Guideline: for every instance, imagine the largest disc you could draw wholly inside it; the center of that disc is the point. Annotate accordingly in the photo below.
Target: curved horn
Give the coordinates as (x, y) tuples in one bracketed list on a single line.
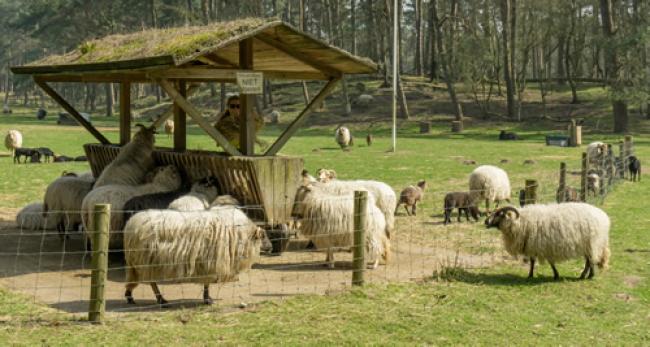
[(509, 208)]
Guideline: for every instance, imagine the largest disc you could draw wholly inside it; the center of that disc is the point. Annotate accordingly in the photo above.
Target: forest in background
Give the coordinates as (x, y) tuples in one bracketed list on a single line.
[(484, 48)]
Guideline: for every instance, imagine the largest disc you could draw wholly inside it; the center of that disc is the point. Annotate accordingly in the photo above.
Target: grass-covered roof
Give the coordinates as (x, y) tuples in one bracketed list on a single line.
[(277, 47)]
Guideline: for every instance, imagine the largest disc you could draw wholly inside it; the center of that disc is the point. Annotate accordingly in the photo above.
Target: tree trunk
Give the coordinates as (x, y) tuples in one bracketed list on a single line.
[(109, 99), (154, 16), (612, 66), (403, 106), (567, 53), (205, 11), (418, 38), (508, 76), (400, 53), (346, 97), (445, 62), (353, 19), (561, 55), (385, 50)]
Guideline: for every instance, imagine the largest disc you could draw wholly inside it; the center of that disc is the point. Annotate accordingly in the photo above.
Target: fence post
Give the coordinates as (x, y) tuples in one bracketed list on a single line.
[(560, 197), (628, 153), (101, 215), (610, 166), (531, 192), (621, 161), (358, 261), (583, 178)]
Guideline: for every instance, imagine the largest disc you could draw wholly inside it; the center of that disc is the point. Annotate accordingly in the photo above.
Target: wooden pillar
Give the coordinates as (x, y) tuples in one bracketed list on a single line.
[(561, 195), (530, 192), (97, 304), (610, 166), (247, 103), (359, 248), (125, 113), (180, 142), (583, 178)]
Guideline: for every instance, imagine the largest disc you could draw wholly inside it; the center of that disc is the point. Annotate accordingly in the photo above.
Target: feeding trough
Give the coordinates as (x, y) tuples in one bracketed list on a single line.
[(244, 52)]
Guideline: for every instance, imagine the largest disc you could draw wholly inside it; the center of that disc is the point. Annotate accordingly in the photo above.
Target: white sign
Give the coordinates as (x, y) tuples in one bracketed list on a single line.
[(250, 82)]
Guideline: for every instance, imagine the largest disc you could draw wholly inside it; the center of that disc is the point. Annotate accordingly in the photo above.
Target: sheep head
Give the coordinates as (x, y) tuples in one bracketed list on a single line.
[(325, 175), (422, 184), (503, 214), (301, 193), (145, 135), (307, 178), (168, 177), (207, 186), (260, 236)]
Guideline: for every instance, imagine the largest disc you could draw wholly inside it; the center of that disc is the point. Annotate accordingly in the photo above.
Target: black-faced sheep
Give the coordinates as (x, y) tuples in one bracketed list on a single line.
[(133, 162), (489, 183), (634, 167), (555, 233), (463, 202), (410, 196)]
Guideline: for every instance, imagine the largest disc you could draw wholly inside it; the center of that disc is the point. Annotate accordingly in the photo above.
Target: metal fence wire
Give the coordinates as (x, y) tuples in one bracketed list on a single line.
[(222, 257)]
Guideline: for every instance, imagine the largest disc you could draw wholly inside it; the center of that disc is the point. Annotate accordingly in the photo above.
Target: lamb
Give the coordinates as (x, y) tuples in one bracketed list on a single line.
[(63, 198), (596, 152), (169, 128), (325, 175), (489, 183), (13, 140), (555, 233), (504, 136), (343, 137), (410, 196), (62, 158), (634, 167), (328, 221), (28, 153), (45, 152), (463, 202), (31, 217), (199, 198), (167, 178), (133, 161), (210, 246), (593, 183)]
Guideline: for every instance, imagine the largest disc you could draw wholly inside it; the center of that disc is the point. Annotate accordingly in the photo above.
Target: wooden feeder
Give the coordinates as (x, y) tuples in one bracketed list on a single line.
[(219, 52)]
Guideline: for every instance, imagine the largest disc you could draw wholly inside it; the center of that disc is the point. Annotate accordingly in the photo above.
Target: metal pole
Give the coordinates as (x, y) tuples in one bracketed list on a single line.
[(360, 210), (395, 64)]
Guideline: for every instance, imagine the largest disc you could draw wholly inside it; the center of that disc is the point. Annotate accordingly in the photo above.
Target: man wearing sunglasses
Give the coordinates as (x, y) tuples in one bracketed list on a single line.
[(228, 121)]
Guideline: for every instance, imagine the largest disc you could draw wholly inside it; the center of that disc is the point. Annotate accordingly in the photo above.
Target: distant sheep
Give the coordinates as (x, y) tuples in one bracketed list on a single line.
[(555, 233), (275, 117), (81, 158), (31, 217), (568, 194), (133, 162), (489, 183), (28, 153), (596, 152), (325, 175), (13, 140), (210, 246), (593, 183), (343, 137), (199, 198), (167, 178), (62, 158), (369, 139), (364, 100), (410, 196), (63, 199), (169, 128), (634, 167), (328, 221), (463, 202), (505, 136), (45, 152)]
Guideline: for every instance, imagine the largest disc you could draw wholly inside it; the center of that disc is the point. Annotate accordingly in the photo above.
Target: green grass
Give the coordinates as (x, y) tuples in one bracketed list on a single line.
[(493, 306)]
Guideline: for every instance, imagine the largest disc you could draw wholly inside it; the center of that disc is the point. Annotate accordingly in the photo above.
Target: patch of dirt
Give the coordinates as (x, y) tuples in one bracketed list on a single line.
[(632, 281)]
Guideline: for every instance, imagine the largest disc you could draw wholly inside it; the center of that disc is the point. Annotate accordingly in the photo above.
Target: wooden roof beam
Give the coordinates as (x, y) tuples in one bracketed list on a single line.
[(292, 52)]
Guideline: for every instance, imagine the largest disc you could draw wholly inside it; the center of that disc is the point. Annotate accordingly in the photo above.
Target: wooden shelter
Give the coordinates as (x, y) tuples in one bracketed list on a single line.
[(218, 52)]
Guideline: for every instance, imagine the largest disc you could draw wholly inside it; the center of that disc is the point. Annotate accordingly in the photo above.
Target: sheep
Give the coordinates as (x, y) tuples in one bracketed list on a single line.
[(62, 158), (384, 196), (555, 233), (199, 198), (31, 217), (410, 196), (327, 220), (169, 128), (504, 136), (210, 246), (41, 114), (28, 153), (364, 100), (81, 158), (596, 152), (463, 202), (593, 183), (343, 137), (307, 178), (325, 175), (489, 183), (63, 198), (167, 178), (13, 140), (568, 194), (369, 139), (45, 152), (275, 117), (155, 201), (634, 167), (133, 161), (6, 109)]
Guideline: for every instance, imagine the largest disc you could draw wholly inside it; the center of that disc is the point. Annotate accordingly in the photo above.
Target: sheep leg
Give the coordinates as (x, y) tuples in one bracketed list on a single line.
[(556, 275), (330, 257), (531, 272), (408, 213), (413, 209), (374, 265), (159, 298), (447, 216), (487, 205), (460, 212), (128, 294), (592, 270), (206, 295), (586, 270), (61, 229)]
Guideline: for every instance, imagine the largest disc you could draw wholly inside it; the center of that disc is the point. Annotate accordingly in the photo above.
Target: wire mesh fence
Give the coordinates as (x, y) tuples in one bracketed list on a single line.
[(183, 251)]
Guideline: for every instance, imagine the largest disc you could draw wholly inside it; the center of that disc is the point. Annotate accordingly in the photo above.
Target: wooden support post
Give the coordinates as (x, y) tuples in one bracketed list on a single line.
[(222, 96), (247, 102), (610, 166), (180, 121), (629, 150), (293, 127), (583, 178), (622, 161), (66, 106), (531, 192), (99, 271), (359, 248), (125, 113), (561, 195)]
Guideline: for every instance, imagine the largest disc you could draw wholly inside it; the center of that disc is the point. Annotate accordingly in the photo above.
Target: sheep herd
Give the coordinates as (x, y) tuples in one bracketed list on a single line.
[(14, 143)]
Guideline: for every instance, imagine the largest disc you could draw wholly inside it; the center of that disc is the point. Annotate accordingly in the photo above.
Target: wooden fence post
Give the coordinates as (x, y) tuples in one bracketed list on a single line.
[(628, 152), (583, 178), (99, 272), (610, 166), (560, 197), (531, 192), (621, 160), (358, 261)]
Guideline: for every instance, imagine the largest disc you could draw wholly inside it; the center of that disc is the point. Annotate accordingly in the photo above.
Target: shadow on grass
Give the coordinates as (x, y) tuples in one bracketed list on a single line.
[(462, 275)]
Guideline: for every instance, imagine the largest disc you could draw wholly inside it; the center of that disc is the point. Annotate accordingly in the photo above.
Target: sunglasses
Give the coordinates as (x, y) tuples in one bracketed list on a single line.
[(233, 105)]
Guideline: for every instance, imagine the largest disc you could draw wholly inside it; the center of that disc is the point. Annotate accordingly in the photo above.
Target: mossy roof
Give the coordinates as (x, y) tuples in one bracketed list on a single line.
[(277, 46)]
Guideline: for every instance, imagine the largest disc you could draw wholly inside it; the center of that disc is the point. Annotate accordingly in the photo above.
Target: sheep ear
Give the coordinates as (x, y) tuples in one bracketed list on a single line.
[(332, 174)]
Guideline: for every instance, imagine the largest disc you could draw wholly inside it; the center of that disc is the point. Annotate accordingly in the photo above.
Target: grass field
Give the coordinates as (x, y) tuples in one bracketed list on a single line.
[(496, 305)]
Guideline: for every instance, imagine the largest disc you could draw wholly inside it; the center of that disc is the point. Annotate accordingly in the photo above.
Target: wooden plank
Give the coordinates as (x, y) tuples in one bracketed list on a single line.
[(125, 113), (247, 102), (291, 51), (293, 127), (165, 60), (221, 60), (66, 106), (180, 119), (196, 116), (114, 77)]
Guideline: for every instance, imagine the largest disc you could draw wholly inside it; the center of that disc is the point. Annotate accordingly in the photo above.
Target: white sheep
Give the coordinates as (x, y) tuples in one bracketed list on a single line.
[(169, 128), (31, 217), (593, 183), (210, 246), (364, 100), (199, 198), (489, 183), (325, 175), (555, 233), (133, 162), (166, 179), (13, 140), (343, 137), (328, 221), (596, 152), (63, 199), (275, 117)]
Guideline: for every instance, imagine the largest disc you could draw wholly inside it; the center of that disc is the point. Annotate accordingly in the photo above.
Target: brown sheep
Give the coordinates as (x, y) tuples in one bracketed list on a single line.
[(410, 196), (463, 202)]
